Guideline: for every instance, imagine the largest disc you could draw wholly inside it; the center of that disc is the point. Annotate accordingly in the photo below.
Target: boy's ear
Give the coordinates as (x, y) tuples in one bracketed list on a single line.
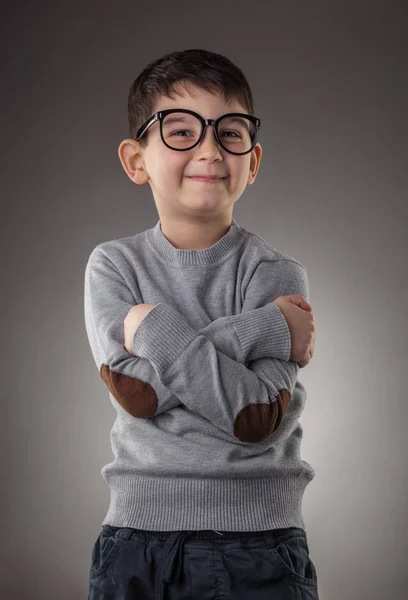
[(256, 156), (131, 156)]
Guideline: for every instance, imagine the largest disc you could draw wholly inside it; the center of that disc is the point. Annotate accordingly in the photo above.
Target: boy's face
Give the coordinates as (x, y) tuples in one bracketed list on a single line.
[(168, 171)]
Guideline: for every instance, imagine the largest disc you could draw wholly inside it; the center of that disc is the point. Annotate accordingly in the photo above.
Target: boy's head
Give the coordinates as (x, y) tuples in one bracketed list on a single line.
[(208, 84)]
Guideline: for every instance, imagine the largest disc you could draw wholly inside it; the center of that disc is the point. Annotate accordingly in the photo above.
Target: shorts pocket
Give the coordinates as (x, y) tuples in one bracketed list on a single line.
[(105, 549), (292, 554)]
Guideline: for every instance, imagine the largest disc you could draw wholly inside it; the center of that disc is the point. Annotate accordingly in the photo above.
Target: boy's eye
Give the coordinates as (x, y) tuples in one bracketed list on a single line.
[(181, 131), (233, 132)]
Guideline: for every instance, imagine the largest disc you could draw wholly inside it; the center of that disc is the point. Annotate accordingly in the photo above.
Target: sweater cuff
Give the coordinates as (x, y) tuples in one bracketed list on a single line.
[(265, 330), (161, 337)]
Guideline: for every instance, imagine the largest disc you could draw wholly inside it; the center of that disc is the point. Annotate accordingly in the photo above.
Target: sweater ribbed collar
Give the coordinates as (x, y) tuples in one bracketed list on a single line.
[(207, 256)]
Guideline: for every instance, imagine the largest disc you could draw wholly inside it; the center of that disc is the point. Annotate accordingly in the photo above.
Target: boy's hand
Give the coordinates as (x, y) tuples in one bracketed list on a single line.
[(301, 322), (132, 321)]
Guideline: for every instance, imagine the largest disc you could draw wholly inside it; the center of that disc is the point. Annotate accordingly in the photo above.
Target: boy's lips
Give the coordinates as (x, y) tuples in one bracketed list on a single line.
[(205, 178)]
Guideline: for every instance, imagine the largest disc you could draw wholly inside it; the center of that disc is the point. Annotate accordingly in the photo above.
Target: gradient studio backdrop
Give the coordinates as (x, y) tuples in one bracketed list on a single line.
[(330, 86)]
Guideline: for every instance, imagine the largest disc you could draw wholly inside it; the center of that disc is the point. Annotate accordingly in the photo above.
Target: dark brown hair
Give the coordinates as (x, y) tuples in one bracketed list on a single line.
[(203, 68)]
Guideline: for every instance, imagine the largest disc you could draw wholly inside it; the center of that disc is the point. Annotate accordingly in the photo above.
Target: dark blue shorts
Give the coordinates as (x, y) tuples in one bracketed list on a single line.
[(134, 564)]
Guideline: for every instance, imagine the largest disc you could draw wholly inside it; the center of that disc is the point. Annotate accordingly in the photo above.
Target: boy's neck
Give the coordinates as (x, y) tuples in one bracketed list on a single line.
[(187, 235)]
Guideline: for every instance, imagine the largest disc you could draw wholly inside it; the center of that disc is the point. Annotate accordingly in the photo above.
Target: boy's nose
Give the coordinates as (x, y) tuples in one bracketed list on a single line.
[(209, 141)]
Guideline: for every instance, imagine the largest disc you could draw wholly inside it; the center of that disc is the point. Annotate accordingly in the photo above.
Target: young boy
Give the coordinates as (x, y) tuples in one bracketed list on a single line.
[(198, 328)]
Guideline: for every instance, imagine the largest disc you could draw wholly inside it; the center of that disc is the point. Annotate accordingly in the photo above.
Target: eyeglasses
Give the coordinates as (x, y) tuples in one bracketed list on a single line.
[(236, 133)]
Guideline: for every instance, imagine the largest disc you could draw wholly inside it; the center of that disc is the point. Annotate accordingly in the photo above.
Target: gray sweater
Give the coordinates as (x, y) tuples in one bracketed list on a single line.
[(207, 432)]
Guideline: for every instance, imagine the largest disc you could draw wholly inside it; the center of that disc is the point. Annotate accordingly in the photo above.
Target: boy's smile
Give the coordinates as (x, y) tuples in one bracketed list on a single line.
[(207, 179)]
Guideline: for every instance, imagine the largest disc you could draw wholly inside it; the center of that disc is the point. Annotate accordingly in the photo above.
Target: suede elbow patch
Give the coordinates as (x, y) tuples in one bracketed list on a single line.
[(135, 396), (258, 421)]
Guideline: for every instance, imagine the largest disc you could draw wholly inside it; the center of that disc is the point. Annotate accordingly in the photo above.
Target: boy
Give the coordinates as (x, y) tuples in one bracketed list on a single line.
[(198, 328)]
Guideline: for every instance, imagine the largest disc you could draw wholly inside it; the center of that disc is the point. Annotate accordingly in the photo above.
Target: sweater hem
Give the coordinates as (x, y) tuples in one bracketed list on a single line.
[(158, 504)]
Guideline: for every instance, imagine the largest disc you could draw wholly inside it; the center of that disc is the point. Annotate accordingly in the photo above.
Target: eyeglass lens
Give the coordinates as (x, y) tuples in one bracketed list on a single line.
[(181, 131)]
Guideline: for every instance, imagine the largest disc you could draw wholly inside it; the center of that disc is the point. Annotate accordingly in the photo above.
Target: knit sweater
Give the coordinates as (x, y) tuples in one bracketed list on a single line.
[(207, 432)]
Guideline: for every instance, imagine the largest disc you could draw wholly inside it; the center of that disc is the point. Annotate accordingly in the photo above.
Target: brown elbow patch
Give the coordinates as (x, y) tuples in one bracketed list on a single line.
[(257, 422), (135, 396)]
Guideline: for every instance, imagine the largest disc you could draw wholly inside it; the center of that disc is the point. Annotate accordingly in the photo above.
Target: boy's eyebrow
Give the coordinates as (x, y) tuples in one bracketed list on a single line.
[(180, 117), (173, 119), (235, 119)]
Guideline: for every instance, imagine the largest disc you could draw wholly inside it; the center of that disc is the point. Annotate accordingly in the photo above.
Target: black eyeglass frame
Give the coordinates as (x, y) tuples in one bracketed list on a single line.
[(159, 116)]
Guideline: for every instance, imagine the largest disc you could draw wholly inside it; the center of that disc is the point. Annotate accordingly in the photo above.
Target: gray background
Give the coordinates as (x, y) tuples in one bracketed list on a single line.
[(330, 87)]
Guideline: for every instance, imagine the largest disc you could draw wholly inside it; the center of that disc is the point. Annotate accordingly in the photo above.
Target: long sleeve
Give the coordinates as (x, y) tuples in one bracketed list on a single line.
[(134, 383), (248, 403)]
